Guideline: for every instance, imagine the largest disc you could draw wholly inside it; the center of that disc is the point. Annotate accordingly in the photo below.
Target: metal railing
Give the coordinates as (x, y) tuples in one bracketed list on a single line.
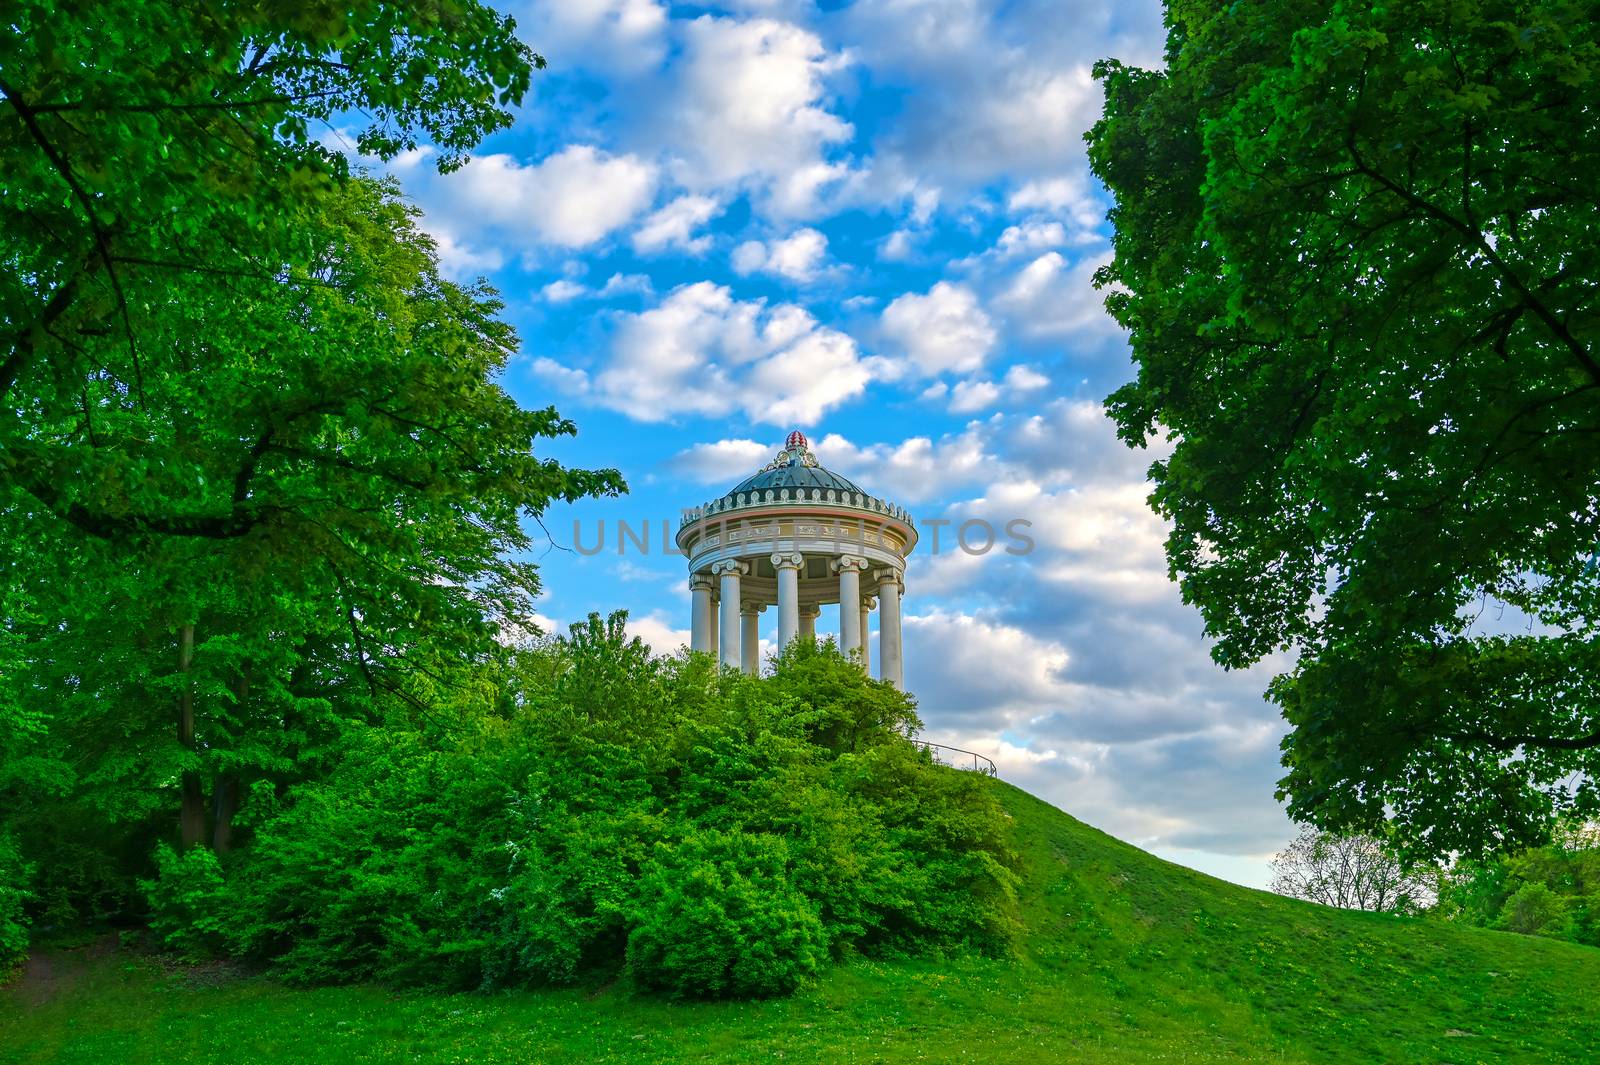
[(957, 758)]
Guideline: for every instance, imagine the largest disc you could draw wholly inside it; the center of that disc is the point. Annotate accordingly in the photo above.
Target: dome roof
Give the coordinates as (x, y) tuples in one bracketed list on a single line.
[(795, 467), (795, 476), (796, 479)]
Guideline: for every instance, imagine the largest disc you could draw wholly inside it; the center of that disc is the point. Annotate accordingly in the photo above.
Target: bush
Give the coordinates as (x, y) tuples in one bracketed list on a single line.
[(720, 835), (14, 876), (720, 917), (1535, 910), (187, 901), (1551, 891), (382, 871)]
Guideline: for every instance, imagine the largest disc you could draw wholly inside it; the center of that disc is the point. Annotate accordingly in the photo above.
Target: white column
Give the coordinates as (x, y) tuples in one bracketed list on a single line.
[(711, 643), (867, 603), (788, 567), (750, 638), (891, 664), (728, 624), (700, 614), (808, 621), (849, 569)]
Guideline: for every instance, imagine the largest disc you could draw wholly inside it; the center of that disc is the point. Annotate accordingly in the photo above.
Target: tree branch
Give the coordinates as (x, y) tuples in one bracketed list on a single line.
[(1475, 239)]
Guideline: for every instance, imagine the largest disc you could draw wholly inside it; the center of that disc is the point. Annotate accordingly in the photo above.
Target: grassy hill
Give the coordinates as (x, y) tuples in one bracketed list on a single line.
[(1127, 959)]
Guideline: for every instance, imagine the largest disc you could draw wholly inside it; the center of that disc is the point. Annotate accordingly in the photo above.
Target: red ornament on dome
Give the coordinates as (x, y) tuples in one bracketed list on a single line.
[(797, 439)]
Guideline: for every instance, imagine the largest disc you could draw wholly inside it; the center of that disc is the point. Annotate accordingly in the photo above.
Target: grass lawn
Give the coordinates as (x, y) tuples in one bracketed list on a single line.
[(1126, 959)]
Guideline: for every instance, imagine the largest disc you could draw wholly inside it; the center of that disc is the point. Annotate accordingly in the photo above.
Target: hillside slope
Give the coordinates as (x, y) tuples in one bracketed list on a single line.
[(1127, 959)]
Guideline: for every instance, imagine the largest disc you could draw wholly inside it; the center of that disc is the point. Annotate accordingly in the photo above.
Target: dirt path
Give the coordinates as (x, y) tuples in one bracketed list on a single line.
[(49, 972)]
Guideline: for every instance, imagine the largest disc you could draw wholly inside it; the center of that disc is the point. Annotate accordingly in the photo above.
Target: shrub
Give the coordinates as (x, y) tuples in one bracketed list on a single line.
[(14, 876), (378, 872), (1535, 910), (187, 901), (719, 917), (720, 835), (1552, 891)]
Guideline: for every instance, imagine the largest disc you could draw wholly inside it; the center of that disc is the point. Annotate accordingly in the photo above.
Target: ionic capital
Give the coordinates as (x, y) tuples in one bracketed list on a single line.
[(787, 560), (701, 582), (868, 603), (729, 565), (844, 562), (812, 611), (750, 606)]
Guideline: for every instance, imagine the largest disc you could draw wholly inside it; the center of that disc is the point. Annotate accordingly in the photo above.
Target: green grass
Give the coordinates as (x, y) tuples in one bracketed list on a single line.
[(1126, 959)]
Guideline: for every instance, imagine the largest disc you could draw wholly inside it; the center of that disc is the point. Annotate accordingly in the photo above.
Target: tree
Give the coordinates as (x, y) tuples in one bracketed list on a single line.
[(1353, 872), (242, 406), (1357, 257), (149, 146), (384, 474), (1553, 890)]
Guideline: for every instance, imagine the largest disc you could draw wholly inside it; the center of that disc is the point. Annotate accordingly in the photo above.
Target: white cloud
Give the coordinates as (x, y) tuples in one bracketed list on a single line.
[(1100, 540), (702, 352), (1022, 378), (658, 632), (975, 394), (632, 572), (567, 379), (913, 470), (722, 461), (969, 396), (460, 261), (619, 284), (673, 226), (798, 257), (748, 106), (898, 246), (944, 330), (1163, 749), (1073, 441), (1053, 298), (565, 290), (570, 199), (1066, 195), (1001, 671), (562, 291), (610, 35), (1031, 237), (749, 257), (1035, 119), (996, 98)]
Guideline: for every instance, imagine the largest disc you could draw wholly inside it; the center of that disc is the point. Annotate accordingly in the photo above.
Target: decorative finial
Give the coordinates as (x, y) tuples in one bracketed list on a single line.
[(796, 452)]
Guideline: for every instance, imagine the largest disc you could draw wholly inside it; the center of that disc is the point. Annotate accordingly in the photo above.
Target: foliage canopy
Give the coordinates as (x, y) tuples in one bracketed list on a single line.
[(258, 479), (710, 830), (1553, 890), (1357, 254)]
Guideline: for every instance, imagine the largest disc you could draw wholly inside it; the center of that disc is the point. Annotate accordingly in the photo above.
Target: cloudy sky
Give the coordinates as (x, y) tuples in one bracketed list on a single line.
[(873, 222)]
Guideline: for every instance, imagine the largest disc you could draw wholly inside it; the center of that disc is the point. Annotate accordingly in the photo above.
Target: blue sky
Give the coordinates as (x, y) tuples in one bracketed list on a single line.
[(872, 221)]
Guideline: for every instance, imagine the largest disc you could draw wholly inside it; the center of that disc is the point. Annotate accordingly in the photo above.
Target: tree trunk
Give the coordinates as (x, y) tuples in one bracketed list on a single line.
[(224, 804), (225, 793), (192, 811)]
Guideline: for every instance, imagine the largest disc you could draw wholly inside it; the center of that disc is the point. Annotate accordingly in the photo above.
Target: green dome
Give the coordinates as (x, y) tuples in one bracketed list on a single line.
[(795, 467), (795, 478), (795, 475)]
